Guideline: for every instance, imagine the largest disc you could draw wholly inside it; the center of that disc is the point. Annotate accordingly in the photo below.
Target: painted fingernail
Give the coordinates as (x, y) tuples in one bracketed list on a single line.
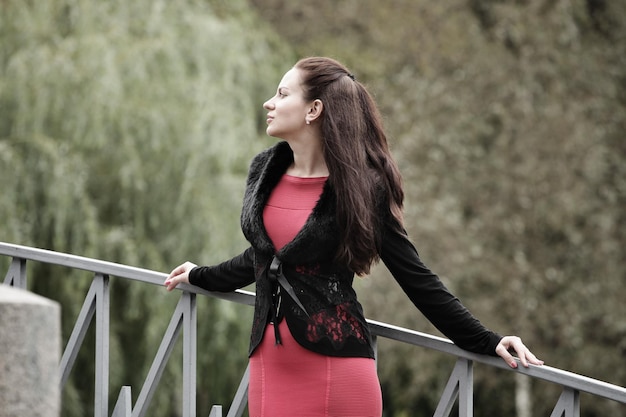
[(513, 364)]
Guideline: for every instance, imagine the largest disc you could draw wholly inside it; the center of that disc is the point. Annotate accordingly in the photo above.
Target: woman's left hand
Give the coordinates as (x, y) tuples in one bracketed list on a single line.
[(514, 344)]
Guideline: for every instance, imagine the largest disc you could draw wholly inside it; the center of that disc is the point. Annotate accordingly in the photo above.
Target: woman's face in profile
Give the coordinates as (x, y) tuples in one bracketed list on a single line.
[(287, 109)]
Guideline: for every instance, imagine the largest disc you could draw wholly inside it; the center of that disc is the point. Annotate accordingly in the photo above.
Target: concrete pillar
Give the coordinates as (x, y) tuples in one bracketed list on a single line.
[(30, 346)]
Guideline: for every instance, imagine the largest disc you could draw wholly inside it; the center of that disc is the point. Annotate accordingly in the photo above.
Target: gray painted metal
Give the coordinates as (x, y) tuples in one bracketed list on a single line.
[(96, 304), (16, 275), (123, 406), (460, 385), (568, 404), (189, 353), (185, 304), (78, 334), (238, 406), (102, 346), (545, 372)]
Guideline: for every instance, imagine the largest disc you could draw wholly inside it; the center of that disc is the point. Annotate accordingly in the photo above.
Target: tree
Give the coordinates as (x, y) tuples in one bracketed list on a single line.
[(125, 133), (507, 120)]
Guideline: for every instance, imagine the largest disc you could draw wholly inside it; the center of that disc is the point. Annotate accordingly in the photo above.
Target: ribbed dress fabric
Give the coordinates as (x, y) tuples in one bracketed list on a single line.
[(287, 380)]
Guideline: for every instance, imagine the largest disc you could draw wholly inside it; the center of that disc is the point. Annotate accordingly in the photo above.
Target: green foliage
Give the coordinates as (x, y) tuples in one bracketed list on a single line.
[(125, 133), (507, 119), (126, 129)]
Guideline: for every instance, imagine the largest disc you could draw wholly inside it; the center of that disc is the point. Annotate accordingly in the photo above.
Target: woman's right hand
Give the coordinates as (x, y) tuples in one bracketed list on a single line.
[(178, 275)]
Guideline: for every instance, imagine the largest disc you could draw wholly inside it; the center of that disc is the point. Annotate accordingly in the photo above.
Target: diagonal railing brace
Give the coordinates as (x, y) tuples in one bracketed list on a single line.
[(184, 315), (460, 385), (96, 303), (16, 275), (568, 404)]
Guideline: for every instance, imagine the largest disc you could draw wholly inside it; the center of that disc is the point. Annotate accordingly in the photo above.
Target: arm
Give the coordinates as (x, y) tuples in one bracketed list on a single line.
[(442, 308), (224, 277), (432, 298)]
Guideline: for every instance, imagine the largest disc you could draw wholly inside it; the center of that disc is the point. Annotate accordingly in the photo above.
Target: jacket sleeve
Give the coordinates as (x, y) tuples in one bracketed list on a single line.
[(227, 276), (431, 297)]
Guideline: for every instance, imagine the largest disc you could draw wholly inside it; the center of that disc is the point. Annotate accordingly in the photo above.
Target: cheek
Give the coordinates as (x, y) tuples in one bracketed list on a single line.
[(287, 114)]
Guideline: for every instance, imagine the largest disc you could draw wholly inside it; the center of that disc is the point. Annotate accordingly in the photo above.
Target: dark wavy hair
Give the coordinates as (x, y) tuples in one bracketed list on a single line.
[(358, 159)]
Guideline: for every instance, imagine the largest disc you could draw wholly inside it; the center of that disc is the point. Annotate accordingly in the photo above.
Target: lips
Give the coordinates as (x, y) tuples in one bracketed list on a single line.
[(269, 119)]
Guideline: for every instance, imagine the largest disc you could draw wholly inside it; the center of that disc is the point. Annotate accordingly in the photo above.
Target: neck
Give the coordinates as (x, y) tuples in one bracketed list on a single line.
[(308, 160)]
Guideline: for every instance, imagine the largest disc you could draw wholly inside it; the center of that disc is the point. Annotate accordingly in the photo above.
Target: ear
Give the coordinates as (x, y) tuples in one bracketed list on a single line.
[(315, 110)]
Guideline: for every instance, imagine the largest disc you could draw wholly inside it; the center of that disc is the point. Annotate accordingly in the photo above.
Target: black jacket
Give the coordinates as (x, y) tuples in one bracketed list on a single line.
[(333, 323)]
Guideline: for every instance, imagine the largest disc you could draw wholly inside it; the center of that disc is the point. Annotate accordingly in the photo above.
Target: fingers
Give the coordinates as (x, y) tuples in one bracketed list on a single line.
[(178, 275), (178, 270), (171, 283), (514, 343), (503, 352), (532, 359)]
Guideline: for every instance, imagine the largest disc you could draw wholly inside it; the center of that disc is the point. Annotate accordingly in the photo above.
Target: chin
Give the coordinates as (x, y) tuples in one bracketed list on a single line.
[(272, 133)]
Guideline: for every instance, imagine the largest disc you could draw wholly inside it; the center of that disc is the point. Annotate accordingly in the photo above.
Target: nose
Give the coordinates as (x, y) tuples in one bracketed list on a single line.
[(268, 105)]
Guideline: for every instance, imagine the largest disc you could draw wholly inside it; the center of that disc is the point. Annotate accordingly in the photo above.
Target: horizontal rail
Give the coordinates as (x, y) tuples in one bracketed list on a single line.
[(113, 269), (545, 372)]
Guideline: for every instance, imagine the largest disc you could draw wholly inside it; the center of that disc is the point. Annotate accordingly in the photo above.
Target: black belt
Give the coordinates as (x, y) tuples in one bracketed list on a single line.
[(275, 274)]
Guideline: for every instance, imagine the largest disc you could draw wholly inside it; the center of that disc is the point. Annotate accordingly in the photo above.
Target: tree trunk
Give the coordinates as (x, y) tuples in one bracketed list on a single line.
[(523, 402)]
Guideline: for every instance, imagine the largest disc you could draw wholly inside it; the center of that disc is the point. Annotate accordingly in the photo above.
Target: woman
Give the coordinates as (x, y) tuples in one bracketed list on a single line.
[(320, 206)]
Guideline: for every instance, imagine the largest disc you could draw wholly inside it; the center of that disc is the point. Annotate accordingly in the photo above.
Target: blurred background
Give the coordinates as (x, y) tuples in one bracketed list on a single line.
[(126, 129)]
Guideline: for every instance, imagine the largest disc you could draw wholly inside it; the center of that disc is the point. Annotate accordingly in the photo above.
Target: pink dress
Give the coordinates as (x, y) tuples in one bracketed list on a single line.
[(288, 380)]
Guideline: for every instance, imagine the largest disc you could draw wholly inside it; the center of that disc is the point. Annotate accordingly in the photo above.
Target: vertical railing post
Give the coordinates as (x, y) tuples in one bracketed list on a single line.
[(189, 354), (101, 399), (466, 388)]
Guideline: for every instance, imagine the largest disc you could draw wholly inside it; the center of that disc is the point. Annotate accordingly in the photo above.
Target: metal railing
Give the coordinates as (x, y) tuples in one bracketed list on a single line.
[(459, 388)]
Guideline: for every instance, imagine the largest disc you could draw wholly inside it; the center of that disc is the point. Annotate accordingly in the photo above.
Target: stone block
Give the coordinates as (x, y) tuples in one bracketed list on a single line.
[(30, 346)]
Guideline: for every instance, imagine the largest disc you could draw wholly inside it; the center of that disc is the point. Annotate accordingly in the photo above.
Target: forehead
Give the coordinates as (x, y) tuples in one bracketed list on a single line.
[(291, 79)]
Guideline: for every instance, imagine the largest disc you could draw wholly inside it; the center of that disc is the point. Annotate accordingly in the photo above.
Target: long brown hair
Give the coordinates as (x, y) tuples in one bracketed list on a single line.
[(357, 156)]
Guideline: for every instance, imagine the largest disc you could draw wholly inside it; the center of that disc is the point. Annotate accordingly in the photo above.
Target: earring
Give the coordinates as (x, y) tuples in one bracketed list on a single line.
[(308, 122)]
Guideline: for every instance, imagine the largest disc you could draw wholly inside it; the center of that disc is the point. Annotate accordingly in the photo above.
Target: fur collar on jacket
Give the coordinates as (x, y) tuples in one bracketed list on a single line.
[(317, 240)]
